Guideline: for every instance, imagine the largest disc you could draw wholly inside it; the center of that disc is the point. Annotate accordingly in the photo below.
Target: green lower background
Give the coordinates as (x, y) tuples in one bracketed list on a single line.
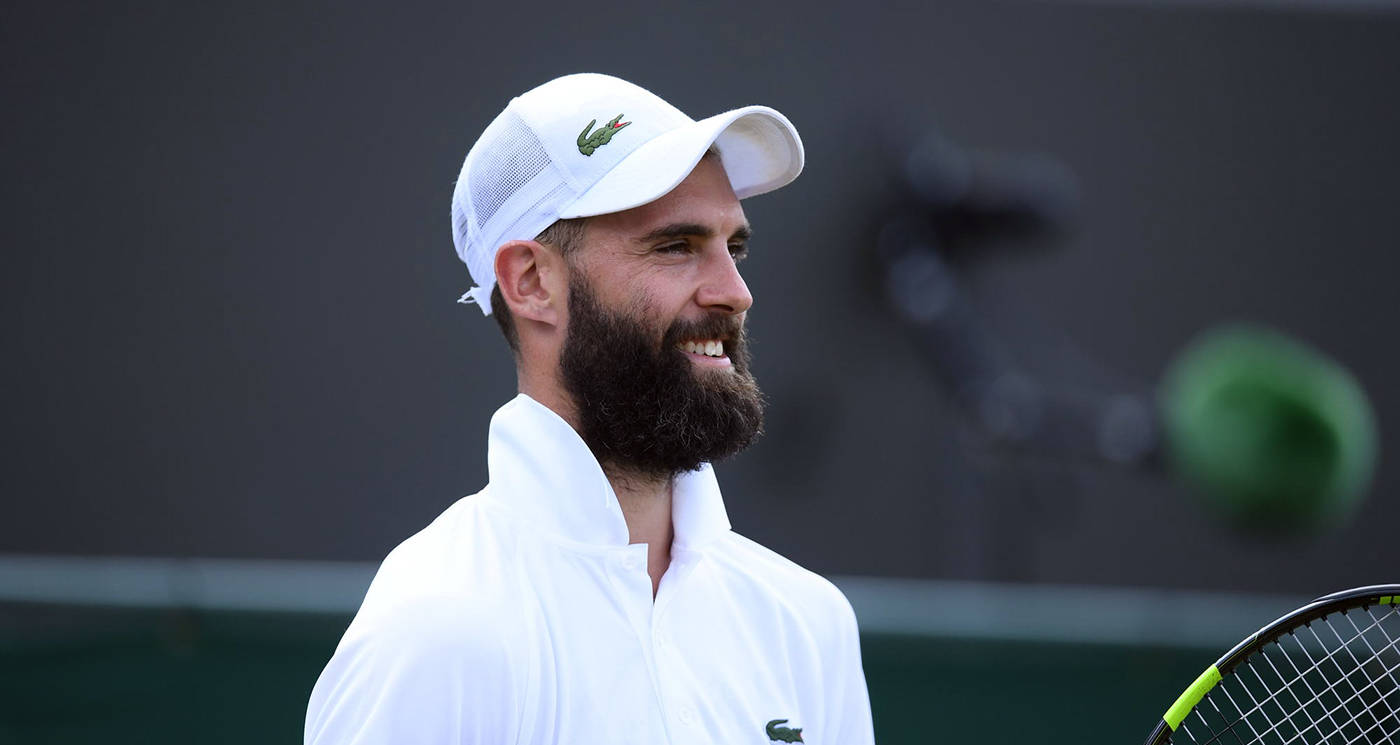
[(73, 674)]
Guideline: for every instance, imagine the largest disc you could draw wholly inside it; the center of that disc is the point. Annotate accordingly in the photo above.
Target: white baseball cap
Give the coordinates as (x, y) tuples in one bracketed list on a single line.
[(590, 144)]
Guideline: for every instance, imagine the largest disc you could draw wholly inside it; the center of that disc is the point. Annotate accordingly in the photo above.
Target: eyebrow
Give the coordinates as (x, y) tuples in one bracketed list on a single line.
[(690, 229)]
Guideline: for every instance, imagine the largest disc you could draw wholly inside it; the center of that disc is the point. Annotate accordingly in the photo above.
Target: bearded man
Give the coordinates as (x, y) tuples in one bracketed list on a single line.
[(594, 592)]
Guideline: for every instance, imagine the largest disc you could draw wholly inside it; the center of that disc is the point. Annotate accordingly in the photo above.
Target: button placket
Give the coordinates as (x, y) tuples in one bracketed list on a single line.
[(630, 564), (628, 574), (673, 682), (673, 678)]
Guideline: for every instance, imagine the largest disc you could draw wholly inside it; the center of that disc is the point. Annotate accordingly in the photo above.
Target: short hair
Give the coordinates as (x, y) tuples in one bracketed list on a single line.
[(565, 236)]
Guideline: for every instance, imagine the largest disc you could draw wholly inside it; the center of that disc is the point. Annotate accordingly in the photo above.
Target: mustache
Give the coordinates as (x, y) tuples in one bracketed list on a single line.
[(722, 327)]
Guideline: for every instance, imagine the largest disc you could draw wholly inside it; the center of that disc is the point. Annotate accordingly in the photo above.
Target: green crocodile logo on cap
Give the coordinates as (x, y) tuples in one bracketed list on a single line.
[(587, 143), (783, 734)]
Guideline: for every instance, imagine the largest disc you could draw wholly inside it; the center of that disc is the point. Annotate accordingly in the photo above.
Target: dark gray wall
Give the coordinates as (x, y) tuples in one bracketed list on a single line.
[(230, 283)]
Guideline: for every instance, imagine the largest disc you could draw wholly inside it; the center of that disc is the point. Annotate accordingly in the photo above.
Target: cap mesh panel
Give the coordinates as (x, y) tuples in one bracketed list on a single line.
[(506, 162)]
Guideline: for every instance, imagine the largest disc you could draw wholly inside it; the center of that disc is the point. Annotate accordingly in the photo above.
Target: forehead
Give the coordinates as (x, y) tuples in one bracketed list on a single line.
[(705, 197)]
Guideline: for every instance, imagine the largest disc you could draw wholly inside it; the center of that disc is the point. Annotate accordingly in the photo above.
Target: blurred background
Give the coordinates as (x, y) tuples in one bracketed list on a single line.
[(236, 377)]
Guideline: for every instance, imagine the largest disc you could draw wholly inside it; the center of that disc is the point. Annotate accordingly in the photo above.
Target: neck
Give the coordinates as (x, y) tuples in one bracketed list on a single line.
[(645, 498), (646, 506)]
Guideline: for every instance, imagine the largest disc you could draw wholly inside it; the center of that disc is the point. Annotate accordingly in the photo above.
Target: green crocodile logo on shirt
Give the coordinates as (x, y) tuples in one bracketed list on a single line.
[(783, 734), (587, 143)]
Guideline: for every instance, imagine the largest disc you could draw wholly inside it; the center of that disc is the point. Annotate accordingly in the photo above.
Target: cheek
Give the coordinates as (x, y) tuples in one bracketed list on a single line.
[(655, 296), (641, 309)]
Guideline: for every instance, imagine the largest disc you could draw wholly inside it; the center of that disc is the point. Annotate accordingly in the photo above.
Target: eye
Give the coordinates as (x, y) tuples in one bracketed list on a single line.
[(674, 248), (738, 251)]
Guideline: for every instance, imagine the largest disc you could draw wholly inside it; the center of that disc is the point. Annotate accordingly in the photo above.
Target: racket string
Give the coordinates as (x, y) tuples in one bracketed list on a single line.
[(1357, 694), (1383, 697), (1366, 732), (1274, 726), (1243, 718), (1258, 705), (1317, 668), (1215, 736), (1326, 707), (1391, 641), (1300, 676), (1302, 707), (1376, 655), (1363, 671)]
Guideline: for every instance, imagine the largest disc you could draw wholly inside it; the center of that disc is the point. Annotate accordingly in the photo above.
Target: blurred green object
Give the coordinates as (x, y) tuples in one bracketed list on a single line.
[(1277, 436)]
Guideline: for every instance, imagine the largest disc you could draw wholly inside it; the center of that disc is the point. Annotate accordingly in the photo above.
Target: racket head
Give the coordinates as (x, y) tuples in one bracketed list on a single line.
[(1328, 672)]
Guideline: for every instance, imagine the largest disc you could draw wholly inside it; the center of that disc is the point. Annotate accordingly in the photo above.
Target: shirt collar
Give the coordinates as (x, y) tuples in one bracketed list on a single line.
[(541, 471)]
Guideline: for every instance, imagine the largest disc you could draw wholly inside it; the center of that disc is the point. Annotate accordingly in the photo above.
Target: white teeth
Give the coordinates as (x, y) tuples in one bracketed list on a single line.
[(707, 348)]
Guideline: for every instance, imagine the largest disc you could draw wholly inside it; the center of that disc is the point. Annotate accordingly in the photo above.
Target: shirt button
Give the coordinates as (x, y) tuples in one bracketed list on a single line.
[(687, 716), (630, 563)]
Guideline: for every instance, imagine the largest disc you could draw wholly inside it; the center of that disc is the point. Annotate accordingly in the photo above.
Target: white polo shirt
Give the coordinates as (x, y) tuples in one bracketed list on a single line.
[(521, 615)]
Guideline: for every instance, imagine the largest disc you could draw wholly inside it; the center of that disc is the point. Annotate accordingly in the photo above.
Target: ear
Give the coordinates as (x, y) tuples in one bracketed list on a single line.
[(533, 281)]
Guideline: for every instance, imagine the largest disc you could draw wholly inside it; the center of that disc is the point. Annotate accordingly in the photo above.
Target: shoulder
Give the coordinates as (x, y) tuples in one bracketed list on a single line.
[(423, 670), (459, 553), (450, 578), (436, 646), (773, 578)]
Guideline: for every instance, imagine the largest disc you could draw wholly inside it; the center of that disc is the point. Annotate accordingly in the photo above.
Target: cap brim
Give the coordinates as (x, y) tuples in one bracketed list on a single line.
[(758, 146)]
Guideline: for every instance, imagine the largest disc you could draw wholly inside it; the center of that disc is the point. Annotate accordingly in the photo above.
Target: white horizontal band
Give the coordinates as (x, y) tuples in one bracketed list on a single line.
[(948, 609)]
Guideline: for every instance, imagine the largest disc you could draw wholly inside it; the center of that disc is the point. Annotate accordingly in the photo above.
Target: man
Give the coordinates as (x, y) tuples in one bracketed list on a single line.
[(593, 592)]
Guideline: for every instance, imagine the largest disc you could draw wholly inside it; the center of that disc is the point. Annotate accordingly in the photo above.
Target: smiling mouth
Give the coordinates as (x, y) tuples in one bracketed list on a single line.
[(706, 347)]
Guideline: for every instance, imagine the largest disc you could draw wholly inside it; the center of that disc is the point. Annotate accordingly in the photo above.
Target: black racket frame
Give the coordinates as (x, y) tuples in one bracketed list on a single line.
[(1358, 597)]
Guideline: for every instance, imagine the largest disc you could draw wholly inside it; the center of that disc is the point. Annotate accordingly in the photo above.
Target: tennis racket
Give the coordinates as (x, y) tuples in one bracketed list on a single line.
[(1327, 673)]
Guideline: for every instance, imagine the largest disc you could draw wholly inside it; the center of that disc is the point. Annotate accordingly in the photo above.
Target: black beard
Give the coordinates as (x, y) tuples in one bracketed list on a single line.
[(643, 409)]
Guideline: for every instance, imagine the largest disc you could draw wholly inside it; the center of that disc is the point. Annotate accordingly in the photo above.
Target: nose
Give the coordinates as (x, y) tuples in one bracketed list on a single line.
[(722, 288)]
